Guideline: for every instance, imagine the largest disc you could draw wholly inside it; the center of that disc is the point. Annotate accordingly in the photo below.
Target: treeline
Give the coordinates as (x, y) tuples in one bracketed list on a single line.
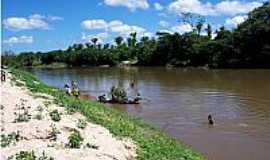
[(247, 46)]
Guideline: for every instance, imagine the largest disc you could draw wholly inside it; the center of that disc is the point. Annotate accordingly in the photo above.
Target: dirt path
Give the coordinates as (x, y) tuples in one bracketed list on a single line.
[(35, 130)]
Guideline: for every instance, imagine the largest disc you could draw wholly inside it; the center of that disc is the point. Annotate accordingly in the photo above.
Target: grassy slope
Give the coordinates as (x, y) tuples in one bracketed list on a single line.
[(152, 144)]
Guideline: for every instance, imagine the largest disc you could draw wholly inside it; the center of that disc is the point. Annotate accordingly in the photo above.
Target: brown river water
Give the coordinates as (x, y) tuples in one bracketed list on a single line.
[(178, 102)]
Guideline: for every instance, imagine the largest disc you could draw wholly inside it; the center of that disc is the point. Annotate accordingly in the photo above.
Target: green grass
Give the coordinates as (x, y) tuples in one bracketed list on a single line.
[(151, 143), (54, 65)]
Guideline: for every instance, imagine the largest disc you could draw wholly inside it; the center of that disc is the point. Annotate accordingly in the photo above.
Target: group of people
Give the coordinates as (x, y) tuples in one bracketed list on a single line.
[(3, 73), (72, 89), (120, 95), (117, 95)]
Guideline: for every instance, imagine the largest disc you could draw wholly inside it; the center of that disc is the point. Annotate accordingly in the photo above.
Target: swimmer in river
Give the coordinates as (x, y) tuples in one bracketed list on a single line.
[(210, 120)]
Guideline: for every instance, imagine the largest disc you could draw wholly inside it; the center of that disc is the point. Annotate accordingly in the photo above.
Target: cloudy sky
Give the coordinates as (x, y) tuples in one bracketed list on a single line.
[(35, 25)]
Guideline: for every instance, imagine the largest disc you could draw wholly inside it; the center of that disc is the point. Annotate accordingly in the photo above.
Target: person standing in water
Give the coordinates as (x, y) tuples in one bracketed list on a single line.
[(67, 89), (210, 120), (75, 89)]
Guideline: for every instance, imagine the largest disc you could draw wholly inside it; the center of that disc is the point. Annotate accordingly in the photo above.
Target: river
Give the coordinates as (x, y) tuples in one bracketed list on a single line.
[(178, 102)]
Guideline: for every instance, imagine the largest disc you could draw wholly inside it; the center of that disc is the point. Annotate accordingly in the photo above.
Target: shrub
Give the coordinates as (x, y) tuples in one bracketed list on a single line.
[(55, 115), (53, 132), (22, 115), (89, 145), (26, 155), (75, 140), (23, 155), (6, 140), (81, 123), (70, 110)]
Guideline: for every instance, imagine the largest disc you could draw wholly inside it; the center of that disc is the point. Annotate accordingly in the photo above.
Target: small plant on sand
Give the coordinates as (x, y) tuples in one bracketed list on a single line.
[(70, 110), (75, 140), (93, 146), (47, 103), (39, 114), (81, 123), (13, 137), (45, 157), (53, 132), (22, 114), (55, 115), (26, 155), (23, 155), (2, 107)]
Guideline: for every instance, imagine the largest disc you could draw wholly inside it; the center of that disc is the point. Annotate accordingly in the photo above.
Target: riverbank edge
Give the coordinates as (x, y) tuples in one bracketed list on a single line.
[(151, 143)]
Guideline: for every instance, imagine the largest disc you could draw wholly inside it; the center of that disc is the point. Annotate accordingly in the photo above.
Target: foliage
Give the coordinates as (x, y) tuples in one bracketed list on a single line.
[(53, 132), (81, 123), (93, 146), (26, 155), (6, 140), (246, 46), (75, 140), (55, 115), (151, 143), (22, 113)]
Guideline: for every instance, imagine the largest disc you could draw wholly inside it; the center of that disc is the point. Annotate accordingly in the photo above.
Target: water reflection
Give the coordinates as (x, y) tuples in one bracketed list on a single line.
[(179, 100)]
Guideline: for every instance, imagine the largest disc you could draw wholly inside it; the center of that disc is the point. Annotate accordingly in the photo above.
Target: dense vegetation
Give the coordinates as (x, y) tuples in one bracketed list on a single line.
[(246, 46)]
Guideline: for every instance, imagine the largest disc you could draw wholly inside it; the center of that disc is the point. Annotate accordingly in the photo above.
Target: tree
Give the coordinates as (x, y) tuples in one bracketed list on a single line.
[(209, 31), (199, 25), (118, 40), (94, 41)]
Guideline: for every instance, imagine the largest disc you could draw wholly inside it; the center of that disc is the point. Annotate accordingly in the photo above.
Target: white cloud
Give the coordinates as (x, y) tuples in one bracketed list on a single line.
[(114, 26), (55, 18), (158, 6), (222, 8), (236, 7), (165, 31), (130, 4), (235, 21), (192, 6), (102, 37), (182, 28), (94, 24), (34, 21), (17, 40), (164, 23)]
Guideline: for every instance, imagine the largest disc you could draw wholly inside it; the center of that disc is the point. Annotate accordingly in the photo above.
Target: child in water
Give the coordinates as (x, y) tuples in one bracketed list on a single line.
[(210, 120)]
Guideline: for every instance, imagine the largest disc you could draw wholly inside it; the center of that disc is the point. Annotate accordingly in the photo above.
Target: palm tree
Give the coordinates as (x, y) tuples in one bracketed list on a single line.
[(118, 40), (94, 41)]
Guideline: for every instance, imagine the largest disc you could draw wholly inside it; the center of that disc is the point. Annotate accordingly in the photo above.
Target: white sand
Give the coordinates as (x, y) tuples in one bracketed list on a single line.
[(36, 131)]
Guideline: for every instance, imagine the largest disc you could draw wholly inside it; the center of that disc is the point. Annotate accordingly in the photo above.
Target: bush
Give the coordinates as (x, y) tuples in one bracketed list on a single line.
[(55, 115), (53, 132), (22, 114), (93, 146), (23, 155), (6, 140), (75, 140), (26, 155), (81, 123)]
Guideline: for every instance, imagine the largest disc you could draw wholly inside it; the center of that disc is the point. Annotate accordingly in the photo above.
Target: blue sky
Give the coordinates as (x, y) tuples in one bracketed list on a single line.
[(34, 25)]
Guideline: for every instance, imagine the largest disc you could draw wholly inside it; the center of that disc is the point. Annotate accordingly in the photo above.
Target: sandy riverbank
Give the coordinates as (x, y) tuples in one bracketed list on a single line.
[(35, 132)]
